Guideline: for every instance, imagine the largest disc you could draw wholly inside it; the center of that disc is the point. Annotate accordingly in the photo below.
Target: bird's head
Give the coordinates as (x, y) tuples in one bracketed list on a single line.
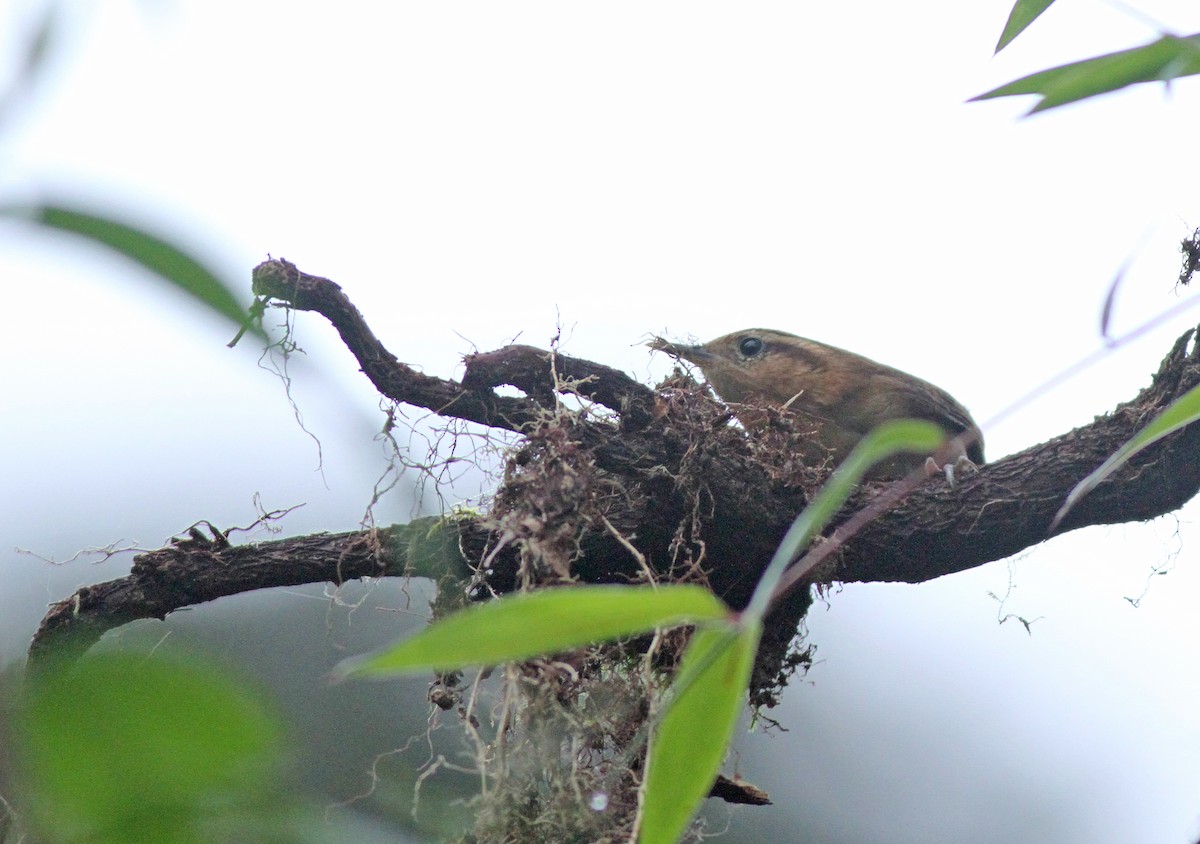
[(755, 364)]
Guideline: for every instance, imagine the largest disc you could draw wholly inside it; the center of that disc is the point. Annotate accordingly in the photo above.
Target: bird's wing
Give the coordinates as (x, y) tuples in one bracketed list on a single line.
[(911, 397)]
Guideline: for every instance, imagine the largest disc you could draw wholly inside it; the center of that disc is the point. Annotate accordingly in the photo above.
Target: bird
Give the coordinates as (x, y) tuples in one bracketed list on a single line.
[(845, 394)]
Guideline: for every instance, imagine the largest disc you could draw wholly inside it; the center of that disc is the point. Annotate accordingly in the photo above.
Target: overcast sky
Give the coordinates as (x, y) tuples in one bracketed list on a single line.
[(472, 172)]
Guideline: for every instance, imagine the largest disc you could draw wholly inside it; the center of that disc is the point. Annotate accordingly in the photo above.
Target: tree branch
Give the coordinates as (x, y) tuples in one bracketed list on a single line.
[(672, 455), (198, 569)]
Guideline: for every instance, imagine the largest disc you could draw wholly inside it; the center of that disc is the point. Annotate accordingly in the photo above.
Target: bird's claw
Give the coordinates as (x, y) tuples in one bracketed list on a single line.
[(963, 465)]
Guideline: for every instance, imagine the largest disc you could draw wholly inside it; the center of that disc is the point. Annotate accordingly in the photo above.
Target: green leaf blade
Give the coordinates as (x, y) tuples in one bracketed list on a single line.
[(691, 739), (168, 261), (1180, 413), (1024, 12), (535, 623), (121, 747), (911, 435), (1169, 57)]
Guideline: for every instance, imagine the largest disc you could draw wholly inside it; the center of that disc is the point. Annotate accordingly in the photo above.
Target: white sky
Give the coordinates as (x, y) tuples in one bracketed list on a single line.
[(473, 171)]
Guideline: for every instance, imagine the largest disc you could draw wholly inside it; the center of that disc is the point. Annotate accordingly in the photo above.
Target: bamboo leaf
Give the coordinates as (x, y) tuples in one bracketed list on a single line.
[(534, 623), (121, 747), (170, 262), (912, 435), (1169, 57), (1183, 411), (692, 737), (1024, 12)]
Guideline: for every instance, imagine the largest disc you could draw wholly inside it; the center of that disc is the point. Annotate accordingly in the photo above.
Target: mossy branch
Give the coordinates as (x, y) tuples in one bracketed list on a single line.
[(675, 457)]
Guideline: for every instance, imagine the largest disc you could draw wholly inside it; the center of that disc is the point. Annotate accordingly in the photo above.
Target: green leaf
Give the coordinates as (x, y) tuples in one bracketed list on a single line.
[(692, 737), (30, 63), (1168, 58), (168, 261), (122, 748), (526, 625), (1182, 412), (1024, 12), (912, 435)]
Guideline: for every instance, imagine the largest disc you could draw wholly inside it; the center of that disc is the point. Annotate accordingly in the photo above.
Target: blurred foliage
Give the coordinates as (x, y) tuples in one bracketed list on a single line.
[(167, 261), (118, 747)]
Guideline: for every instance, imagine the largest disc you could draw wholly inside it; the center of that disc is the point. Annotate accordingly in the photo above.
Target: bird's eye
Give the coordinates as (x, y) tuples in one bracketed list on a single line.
[(751, 347)]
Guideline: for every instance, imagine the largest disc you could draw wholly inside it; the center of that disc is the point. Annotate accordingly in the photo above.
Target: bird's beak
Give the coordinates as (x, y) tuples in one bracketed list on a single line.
[(696, 354)]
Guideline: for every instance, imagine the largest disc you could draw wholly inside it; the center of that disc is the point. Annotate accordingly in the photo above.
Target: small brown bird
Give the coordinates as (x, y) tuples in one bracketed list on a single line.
[(845, 394)]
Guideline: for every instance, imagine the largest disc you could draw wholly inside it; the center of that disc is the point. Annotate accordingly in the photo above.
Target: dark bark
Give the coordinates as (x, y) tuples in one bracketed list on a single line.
[(673, 455), (660, 481)]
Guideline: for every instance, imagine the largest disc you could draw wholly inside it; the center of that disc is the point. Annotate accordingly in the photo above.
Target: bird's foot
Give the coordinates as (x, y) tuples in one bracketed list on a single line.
[(962, 466)]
